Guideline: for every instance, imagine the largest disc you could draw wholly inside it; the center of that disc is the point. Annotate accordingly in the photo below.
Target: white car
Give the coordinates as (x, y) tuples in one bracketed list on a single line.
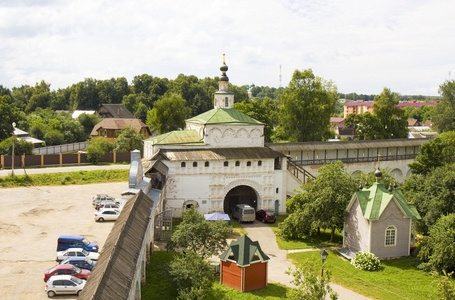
[(76, 252), (107, 214), (64, 284), (101, 197)]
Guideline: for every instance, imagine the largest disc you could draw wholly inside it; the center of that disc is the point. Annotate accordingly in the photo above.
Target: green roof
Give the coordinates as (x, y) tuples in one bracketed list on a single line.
[(224, 116), (374, 200), (244, 251), (178, 137)]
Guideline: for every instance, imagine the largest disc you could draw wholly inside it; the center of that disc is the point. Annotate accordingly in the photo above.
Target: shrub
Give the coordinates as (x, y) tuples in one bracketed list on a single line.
[(366, 261)]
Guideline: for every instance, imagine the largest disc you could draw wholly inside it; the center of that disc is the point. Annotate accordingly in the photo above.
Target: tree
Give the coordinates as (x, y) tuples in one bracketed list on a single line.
[(310, 286), (20, 147), (366, 125), (432, 194), (96, 149), (306, 107), (444, 113), (258, 111), (169, 113), (88, 121), (435, 153), (438, 250), (192, 275), (393, 120), (322, 202), (8, 115), (128, 140), (196, 234)]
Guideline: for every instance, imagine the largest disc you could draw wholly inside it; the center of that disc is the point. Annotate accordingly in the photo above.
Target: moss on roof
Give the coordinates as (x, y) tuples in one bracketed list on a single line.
[(188, 137), (224, 116), (374, 200)]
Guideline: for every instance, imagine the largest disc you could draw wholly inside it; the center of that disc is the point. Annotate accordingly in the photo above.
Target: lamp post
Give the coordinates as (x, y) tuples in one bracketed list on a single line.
[(323, 258), (12, 152)]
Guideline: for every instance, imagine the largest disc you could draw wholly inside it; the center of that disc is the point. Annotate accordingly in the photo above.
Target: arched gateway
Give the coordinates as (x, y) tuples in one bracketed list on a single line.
[(241, 194)]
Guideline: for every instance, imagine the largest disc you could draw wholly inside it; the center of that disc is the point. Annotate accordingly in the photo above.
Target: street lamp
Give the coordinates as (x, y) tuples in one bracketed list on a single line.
[(323, 258), (12, 152)]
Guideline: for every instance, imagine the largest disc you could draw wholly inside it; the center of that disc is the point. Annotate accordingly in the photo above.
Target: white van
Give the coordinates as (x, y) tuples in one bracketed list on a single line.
[(244, 213)]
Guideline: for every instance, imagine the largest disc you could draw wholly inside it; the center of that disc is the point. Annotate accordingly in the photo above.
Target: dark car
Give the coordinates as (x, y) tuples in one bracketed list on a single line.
[(80, 262), (66, 270), (265, 216)]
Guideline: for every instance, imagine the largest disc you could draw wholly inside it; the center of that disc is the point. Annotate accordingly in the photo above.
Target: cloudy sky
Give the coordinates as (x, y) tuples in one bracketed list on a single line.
[(362, 46)]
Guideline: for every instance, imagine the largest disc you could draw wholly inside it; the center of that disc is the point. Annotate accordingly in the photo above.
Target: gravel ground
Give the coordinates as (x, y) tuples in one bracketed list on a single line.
[(31, 219)]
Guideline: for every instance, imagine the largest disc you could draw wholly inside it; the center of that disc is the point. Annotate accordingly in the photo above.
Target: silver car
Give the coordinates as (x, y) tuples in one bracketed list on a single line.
[(107, 214), (64, 285)]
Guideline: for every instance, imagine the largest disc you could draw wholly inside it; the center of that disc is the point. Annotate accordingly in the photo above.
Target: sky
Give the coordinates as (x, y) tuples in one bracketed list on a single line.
[(362, 46)]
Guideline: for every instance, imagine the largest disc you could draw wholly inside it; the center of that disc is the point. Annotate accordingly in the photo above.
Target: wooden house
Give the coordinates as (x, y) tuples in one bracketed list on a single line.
[(114, 111), (110, 127), (379, 221), (244, 265)]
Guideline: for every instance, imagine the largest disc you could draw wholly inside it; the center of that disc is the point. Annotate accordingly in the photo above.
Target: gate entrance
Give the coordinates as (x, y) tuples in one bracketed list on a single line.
[(241, 194)]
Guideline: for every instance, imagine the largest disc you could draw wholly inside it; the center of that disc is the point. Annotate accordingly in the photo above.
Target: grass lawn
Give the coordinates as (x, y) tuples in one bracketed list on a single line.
[(159, 286), (64, 178), (396, 279)]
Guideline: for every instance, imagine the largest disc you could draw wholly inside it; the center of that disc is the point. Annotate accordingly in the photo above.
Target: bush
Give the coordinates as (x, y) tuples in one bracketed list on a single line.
[(366, 261), (97, 148)]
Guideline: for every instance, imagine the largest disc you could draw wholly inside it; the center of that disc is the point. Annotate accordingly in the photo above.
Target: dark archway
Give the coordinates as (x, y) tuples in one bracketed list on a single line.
[(241, 194)]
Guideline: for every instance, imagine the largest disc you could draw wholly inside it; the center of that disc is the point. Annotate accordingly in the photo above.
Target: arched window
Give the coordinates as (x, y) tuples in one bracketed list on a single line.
[(183, 165), (391, 236), (207, 164), (226, 164), (237, 164), (248, 163), (260, 163), (194, 164), (226, 102)]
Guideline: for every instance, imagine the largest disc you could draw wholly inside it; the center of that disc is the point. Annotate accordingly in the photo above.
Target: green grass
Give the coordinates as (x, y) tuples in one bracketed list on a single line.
[(237, 227), (64, 178), (396, 279), (159, 286)]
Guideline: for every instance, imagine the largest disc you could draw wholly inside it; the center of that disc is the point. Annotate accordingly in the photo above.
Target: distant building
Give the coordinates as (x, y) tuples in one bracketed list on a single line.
[(23, 135), (110, 127), (114, 111), (360, 106), (77, 113)]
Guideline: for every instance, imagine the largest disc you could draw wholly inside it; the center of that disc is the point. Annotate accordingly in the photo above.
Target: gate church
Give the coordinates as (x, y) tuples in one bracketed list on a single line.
[(218, 161)]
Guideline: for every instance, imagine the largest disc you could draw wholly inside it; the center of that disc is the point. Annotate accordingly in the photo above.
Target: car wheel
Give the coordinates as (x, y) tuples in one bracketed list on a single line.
[(78, 292), (263, 220), (51, 294), (101, 219)]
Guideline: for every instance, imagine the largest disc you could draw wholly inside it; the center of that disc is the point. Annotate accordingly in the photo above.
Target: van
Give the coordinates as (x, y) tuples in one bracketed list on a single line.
[(75, 241), (243, 213)]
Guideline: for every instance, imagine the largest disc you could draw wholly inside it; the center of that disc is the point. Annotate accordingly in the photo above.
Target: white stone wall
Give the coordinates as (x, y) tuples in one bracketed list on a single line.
[(225, 136)]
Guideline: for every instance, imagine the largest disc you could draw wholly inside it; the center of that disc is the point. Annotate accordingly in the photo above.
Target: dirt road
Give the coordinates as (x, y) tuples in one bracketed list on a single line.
[(31, 219)]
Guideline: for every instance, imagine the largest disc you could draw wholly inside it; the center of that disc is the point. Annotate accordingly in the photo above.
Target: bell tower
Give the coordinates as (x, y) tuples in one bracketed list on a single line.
[(223, 98)]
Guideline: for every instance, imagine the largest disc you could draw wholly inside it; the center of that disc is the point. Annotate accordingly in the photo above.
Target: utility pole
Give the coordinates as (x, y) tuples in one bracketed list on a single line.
[(280, 75), (12, 153)]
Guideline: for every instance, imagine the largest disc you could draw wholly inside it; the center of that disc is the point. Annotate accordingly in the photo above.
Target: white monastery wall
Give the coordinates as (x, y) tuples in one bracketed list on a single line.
[(223, 136)]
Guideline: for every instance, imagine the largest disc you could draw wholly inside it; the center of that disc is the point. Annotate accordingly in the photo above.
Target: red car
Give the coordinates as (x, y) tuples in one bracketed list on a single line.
[(66, 270), (265, 216)]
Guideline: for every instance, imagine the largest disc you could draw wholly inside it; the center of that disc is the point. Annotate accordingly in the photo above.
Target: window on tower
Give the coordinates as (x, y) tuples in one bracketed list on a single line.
[(226, 102)]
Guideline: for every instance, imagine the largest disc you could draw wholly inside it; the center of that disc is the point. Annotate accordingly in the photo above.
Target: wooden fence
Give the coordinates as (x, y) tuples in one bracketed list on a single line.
[(59, 159)]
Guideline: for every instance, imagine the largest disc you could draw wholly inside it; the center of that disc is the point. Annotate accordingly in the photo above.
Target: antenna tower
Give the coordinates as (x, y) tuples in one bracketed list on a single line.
[(280, 75)]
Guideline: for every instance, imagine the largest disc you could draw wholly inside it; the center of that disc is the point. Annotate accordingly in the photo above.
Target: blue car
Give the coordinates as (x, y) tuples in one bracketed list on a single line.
[(81, 262), (75, 241)]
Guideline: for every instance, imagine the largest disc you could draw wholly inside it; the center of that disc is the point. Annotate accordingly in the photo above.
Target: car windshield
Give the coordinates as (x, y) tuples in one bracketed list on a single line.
[(52, 269), (65, 262), (89, 261), (85, 252), (269, 213), (76, 270), (249, 211), (75, 279), (86, 242)]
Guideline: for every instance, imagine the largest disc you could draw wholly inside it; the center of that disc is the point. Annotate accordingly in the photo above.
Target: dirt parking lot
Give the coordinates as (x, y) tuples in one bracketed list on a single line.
[(31, 219)]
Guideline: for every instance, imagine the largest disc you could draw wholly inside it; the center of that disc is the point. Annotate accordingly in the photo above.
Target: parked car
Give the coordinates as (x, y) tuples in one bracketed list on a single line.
[(108, 214), (107, 204), (243, 213), (64, 284), (75, 241), (265, 216), (101, 197), (71, 252), (66, 270), (80, 262)]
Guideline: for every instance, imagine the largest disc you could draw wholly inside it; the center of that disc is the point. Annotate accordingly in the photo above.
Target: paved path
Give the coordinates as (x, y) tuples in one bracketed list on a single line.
[(20, 171), (279, 262)]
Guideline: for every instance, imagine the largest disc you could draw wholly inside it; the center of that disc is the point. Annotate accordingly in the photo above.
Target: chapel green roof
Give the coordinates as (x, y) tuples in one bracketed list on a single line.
[(374, 200), (229, 116), (244, 251), (178, 137)]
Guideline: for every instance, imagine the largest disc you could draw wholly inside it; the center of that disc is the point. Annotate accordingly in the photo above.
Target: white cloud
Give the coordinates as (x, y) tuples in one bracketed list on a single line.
[(361, 46)]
